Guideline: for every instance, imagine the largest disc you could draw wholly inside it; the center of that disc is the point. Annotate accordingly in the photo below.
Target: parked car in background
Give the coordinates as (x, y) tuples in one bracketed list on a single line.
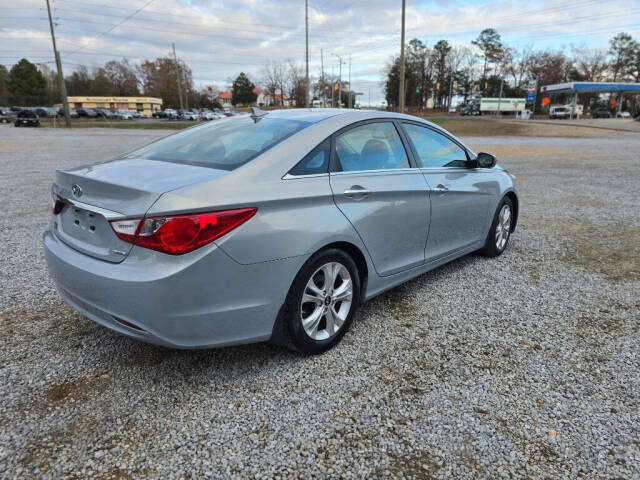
[(170, 114), (104, 113), (45, 112), (189, 115), (27, 118), (623, 115), (209, 115), (7, 115), (559, 112), (138, 114), (87, 112), (123, 115), (601, 113), (243, 230), (72, 113), (158, 114)]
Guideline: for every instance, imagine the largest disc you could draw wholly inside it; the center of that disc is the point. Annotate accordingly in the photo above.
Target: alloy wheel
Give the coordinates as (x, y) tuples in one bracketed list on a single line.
[(503, 227), (326, 301)]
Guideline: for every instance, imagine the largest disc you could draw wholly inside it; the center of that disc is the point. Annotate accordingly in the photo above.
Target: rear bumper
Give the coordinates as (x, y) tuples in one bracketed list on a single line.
[(199, 300)]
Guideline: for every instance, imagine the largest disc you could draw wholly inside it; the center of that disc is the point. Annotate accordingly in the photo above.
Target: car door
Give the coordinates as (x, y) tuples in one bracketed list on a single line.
[(460, 195), (384, 198)]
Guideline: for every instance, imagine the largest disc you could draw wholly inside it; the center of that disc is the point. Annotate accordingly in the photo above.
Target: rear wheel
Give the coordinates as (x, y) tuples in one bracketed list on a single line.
[(322, 302), (500, 230)]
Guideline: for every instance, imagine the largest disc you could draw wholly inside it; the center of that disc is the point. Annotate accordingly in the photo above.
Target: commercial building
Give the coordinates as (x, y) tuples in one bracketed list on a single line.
[(147, 105)]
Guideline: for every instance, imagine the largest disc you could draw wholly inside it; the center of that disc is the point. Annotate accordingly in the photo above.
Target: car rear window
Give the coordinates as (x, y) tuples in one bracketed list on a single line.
[(225, 144)]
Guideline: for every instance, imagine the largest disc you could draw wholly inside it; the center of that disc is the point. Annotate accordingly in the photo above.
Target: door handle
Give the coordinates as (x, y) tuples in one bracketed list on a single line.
[(356, 191), (440, 188)]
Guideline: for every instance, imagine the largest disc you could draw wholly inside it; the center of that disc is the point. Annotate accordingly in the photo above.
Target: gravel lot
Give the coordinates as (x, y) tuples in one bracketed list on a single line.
[(523, 366)]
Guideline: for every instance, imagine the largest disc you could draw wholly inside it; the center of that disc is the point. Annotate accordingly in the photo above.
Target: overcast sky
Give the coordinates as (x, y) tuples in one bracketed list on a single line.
[(220, 38)]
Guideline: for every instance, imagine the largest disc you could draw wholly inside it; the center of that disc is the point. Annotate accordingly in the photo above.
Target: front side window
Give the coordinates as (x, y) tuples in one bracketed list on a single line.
[(224, 145), (372, 146), (434, 149), (317, 161)]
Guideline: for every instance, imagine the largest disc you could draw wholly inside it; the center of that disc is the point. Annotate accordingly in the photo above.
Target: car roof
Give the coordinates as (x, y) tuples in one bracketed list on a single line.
[(314, 115)]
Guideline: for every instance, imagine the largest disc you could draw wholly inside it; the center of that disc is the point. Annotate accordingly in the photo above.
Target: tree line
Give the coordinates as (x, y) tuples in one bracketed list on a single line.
[(284, 83), (27, 84), (485, 66)]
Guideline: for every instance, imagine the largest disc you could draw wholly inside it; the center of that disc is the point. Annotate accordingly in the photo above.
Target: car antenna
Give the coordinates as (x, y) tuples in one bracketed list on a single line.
[(257, 114)]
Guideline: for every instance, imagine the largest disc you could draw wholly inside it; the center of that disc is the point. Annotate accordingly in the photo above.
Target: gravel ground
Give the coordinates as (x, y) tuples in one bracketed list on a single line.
[(523, 366)]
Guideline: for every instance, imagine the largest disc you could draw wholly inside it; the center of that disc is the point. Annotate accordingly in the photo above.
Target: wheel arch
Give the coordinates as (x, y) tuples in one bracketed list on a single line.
[(516, 207), (358, 257)]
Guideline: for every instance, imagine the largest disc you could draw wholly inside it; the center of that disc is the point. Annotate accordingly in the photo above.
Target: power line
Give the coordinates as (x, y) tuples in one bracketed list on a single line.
[(199, 16), (112, 27)]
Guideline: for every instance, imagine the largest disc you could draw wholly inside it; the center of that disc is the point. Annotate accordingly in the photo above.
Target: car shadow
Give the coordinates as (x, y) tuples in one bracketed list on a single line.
[(233, 362)]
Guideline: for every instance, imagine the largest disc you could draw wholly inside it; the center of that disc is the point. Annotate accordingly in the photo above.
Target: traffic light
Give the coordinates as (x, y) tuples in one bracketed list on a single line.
[(486, 85), (417, 90), (438, 86), (455, 85)]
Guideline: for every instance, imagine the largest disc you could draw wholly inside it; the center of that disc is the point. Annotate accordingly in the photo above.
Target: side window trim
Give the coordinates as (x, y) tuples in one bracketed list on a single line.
[(435, 130), (334, 163)]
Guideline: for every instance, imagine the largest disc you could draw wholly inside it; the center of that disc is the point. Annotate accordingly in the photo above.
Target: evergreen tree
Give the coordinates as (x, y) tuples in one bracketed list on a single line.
[(623, 50), (490, 43), (242, 91), (4, 76), (26, 85)]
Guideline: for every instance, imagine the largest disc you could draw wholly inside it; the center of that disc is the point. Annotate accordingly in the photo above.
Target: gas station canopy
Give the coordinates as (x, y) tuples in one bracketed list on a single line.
[(591, 87)]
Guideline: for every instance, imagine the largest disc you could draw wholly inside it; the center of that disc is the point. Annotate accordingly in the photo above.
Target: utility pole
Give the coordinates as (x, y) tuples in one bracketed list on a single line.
[(324, 94), (333, 104), (350, 102), (178, 79), (402, 94), (500, 98), (61, 85), (186, 90), (339, 80), (306, 36), (450, 90), (340, 84)]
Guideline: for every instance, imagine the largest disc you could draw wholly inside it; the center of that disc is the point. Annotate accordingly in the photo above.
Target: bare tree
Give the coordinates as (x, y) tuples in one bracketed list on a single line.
[(516, 66), (274, 78), (296, 82)]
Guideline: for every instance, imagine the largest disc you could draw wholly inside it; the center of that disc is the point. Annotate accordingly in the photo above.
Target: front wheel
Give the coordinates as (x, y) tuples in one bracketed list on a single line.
[(322, 302), (500, 230)]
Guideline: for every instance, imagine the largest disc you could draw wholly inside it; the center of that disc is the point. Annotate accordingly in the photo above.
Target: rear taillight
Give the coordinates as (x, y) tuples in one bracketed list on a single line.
[(178, 234)]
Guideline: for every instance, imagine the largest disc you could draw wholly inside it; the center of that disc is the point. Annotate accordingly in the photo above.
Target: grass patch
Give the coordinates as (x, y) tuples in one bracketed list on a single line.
[(611, 250), (484, 127), (479, 127)]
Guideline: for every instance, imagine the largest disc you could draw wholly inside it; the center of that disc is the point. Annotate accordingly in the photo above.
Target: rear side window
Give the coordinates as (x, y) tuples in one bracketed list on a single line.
[(434, 149), (225, 144), (316, 161)]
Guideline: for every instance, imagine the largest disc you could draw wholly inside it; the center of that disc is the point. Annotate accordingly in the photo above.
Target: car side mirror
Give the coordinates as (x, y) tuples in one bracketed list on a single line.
[(485, 160)]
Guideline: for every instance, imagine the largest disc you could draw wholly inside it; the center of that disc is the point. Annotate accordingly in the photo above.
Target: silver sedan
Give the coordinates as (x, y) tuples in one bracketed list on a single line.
[(271, 226)]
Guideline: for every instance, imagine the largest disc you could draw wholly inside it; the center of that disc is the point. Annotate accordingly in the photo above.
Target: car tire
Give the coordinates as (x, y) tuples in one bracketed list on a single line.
[(297, 333), (500, 231)]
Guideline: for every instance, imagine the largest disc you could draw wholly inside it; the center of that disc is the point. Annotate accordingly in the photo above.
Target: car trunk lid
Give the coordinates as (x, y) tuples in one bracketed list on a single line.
[(94, 194)]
